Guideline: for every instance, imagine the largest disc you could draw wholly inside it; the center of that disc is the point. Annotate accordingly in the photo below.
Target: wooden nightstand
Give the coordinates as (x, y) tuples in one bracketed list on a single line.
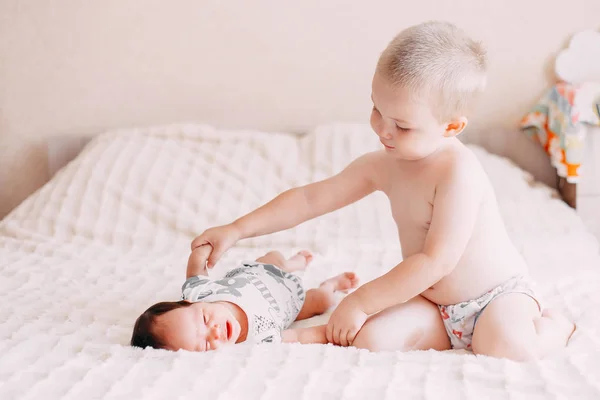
[(588, 189), (578, 65)]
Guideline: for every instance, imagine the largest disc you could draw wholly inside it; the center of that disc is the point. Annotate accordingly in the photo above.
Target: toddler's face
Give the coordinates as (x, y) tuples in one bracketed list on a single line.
[(199, 327), (405, 124)]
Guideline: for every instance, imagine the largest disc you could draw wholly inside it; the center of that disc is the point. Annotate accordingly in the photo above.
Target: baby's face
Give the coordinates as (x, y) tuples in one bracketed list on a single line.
[(405, 124), (199, 327)]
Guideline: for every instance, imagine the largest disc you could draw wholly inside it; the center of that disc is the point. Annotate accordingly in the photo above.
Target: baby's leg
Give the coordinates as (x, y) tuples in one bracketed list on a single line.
[(319, 300), (414, 325), (511, 326), (298, 262), (310, 335)]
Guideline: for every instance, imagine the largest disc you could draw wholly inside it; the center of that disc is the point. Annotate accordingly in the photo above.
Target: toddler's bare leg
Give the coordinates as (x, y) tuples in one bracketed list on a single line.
[(319, 300), (298, 262), (414, 325), (511, 326)]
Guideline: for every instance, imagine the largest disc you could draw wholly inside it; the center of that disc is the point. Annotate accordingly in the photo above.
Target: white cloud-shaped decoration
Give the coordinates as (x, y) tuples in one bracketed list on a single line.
[(580, 62)]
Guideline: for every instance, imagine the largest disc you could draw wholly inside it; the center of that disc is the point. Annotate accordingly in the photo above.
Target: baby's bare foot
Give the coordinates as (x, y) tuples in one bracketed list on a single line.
[(565, 328), (299, 262), (342, 282)]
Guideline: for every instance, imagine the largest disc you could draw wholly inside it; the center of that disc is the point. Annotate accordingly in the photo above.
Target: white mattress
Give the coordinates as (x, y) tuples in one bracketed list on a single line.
[(110, 234)]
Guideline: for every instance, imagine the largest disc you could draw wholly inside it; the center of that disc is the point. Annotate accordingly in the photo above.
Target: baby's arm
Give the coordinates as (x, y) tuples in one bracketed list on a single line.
[(313, 334), (456, 207), (197, 262), (294, 207)]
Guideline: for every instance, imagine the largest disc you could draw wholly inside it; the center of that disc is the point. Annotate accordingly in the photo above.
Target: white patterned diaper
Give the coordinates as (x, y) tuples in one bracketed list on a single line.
[(460, 319)]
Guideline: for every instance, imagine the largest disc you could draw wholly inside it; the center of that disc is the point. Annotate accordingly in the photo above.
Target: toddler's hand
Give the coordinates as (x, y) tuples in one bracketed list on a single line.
[(219, 239), (345, 322)]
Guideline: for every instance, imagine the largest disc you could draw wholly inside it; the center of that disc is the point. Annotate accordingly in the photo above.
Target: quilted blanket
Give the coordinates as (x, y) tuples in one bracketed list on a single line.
[(109, 235)]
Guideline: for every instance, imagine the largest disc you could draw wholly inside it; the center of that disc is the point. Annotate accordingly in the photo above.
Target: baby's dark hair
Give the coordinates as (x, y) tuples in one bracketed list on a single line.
[(143, 332)]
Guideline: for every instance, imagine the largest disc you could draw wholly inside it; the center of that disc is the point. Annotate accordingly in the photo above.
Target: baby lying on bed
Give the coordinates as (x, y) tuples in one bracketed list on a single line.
[(256, 302)]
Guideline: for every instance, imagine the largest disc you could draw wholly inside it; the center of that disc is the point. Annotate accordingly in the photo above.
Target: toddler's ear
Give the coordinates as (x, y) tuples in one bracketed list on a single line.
[(455, 127)]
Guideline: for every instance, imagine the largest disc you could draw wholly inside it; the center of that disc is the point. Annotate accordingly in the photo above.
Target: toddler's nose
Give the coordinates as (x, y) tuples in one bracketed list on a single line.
[(384, 133)]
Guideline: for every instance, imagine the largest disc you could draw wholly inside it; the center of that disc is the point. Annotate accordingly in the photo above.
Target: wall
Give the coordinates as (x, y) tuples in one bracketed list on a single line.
[(73, 67)]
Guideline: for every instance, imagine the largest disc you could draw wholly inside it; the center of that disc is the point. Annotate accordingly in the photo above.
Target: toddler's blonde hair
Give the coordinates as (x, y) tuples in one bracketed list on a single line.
[(439, 60)]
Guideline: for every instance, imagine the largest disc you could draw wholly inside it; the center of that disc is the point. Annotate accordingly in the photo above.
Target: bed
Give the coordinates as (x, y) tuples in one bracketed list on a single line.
[(110, 234), (262, 81)]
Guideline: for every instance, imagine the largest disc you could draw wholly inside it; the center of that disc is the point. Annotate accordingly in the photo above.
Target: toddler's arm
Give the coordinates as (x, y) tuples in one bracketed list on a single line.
[(313, 334), (294, 207)]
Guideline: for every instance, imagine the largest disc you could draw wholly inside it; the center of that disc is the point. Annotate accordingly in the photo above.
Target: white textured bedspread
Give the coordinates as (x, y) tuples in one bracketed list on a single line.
[(110, 234)]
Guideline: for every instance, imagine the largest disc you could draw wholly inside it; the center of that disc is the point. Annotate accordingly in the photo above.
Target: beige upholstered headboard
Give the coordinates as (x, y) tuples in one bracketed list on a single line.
[(73, 67)]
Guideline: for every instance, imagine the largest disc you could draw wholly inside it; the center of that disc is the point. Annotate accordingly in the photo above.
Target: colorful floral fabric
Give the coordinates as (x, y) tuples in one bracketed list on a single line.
[(556, 123)]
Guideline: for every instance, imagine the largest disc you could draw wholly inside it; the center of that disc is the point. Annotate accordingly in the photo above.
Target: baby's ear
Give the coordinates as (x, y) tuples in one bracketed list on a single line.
[(455, 127)]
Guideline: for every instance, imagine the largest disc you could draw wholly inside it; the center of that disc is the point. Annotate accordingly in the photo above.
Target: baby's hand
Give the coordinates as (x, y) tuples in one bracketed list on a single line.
[(345, 322), (197, 261), (219, 240)]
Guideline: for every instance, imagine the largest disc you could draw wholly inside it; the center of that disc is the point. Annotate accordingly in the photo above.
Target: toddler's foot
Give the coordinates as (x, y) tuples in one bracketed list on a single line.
[(564, 327), (298, 262), (341, 283)]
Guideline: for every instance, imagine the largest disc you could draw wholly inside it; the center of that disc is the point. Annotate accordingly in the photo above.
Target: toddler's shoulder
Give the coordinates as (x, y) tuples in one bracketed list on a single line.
[(459, 162), (373, 157), (369, 165)]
